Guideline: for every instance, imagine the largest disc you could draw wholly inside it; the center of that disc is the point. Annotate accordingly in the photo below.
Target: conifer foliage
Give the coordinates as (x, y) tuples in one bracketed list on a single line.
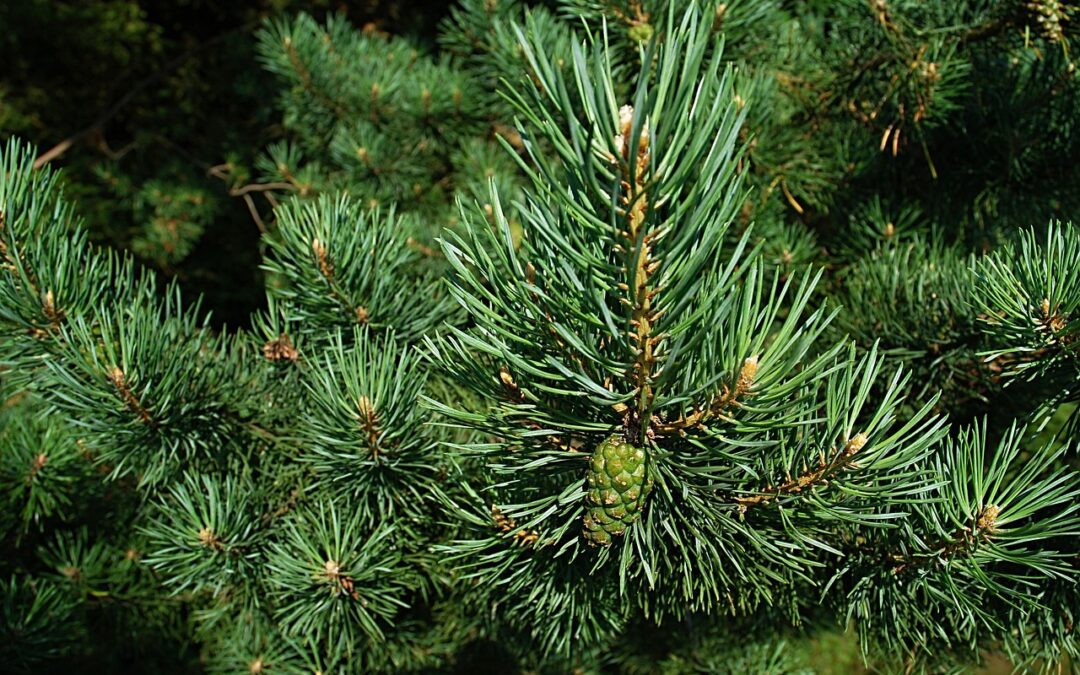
[(636, 366)]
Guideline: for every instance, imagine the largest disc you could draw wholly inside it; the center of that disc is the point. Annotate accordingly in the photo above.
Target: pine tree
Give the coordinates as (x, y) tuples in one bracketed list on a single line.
[(696, 347)]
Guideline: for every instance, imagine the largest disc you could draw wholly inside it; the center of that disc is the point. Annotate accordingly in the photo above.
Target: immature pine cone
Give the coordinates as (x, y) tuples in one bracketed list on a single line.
[(618, 484)]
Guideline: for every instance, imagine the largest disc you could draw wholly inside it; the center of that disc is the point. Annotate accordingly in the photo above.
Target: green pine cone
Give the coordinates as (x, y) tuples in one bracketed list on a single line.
[(618, 484), (640, 32)]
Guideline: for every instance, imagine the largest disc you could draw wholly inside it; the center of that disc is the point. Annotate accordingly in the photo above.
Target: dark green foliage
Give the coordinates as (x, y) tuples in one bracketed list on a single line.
[(337, 263), (45, 468), (634, 336), (205, 536), (1029, 296), (38, 623), (330, 585), (969, 572), (913, 299), (158, 112), (385, 465), (175, 218), (160, 409), (372, 115)]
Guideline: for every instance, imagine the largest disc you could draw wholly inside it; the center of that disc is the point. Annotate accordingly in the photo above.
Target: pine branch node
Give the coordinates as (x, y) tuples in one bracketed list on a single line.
[(280, 349), (119, 380), (342, 584), (36, 465), (962, 541), (369, 421), (209, 539), (508, 524)]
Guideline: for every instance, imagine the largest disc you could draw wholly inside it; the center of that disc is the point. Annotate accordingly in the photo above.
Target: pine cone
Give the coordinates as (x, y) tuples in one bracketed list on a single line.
[(641, 32), (618, 484)]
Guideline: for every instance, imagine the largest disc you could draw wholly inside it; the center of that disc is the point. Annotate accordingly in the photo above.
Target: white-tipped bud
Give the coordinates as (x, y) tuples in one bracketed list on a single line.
[(626, 119), (626, 124)]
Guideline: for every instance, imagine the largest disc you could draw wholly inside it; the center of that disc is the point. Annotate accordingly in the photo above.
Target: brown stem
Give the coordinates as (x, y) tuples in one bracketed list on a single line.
[(810, 477), (255, 214), (36, 465), (641, 264), (119, 381), (284, 508), (369, 421), (725, 398), (326, 269), (260, 187)]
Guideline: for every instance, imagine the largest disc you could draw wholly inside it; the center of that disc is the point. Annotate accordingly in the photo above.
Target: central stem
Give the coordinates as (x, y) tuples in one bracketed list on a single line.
[(642, 263)]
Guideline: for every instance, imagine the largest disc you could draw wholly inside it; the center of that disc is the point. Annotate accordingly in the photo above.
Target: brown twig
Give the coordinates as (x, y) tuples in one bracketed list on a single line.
[(727, 397), (369, 422), (260, 187), (641, 264), (36, 466), (255, 214), (809, 478), (119, 380)]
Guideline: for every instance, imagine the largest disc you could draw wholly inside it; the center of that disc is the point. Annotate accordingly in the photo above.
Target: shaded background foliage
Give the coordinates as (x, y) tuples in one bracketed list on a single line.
[(152, 95)]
